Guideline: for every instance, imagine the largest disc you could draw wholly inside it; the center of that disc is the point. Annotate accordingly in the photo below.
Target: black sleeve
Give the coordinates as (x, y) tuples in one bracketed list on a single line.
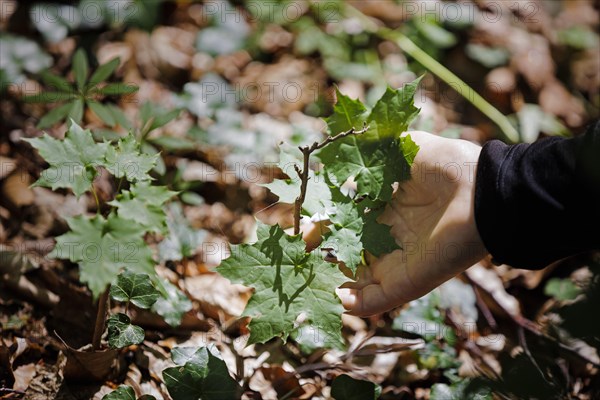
[(538, 203)]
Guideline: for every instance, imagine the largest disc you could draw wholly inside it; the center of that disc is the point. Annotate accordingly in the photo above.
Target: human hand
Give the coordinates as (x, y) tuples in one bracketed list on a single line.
[(432, 219)]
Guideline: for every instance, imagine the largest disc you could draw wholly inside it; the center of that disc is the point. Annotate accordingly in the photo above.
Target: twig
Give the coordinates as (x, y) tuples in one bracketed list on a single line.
[(100, 320), (303, 174)]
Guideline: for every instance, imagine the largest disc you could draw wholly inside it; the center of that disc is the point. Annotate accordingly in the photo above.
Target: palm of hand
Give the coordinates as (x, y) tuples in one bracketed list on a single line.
[(431, 216)]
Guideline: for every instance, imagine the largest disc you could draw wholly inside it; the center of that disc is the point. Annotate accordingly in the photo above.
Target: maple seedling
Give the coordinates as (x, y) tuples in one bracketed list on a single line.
[(294, 290), (114, 239)]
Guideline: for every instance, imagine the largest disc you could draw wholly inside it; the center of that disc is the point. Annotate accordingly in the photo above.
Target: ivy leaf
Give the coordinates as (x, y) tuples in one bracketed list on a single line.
[(143, 203), (377, 158), (346, 232), (122, 333), (318, 194), (289, 284), (200, 374), (102, 247), (126, 160), (73, 161), (172, 305), (344, 387), (125, 392), (135, 288)]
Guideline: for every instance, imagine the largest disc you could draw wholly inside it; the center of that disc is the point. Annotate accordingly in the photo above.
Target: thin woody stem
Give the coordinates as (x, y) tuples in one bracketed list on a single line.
[(100, 319), (303, 174)]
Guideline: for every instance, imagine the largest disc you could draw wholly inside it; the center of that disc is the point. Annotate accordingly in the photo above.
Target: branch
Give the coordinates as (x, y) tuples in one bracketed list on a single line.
[(303, 174)]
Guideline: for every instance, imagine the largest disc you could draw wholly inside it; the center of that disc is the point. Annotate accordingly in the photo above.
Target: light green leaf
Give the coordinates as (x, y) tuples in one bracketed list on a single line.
[(102, 247), (135, 288), (72, 161), (562, 289), (200, 374), (103, 72), (289, 283), (126, 160), (142, 203), (172, 305), (183, 240), (318, 194), (80, 68), (344, 387), (122, 333)]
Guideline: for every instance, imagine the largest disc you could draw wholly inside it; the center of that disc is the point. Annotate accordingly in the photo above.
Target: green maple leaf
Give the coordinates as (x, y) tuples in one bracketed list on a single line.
[(318, 195), (289, 283), (122, 333), (73, 161), (200, 374), (126, 160), (102, 247), (143, 203), (377, 158), (135, 288), (346, 232)]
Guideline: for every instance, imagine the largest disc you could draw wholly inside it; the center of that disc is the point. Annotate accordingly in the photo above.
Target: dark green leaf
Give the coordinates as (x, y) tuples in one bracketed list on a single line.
[(103, 72), (202, 376), (56, 82), (76, 113), (122, 333), (55, 115), (49, 97), (375, 159), (80, 68), (344, 387), (123, 392), (117, 89), (135, 288), (102, 112)]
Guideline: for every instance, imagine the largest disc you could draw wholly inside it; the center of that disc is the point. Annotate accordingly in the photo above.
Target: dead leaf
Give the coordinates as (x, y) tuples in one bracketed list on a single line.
[(16, 189)]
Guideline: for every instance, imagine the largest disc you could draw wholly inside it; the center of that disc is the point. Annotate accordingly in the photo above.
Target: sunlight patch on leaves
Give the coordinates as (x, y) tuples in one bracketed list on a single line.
[(289, 283)]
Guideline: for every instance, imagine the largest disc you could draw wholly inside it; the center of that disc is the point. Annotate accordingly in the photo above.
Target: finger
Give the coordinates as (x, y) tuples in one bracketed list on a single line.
[(366, 301), (364, 277)]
